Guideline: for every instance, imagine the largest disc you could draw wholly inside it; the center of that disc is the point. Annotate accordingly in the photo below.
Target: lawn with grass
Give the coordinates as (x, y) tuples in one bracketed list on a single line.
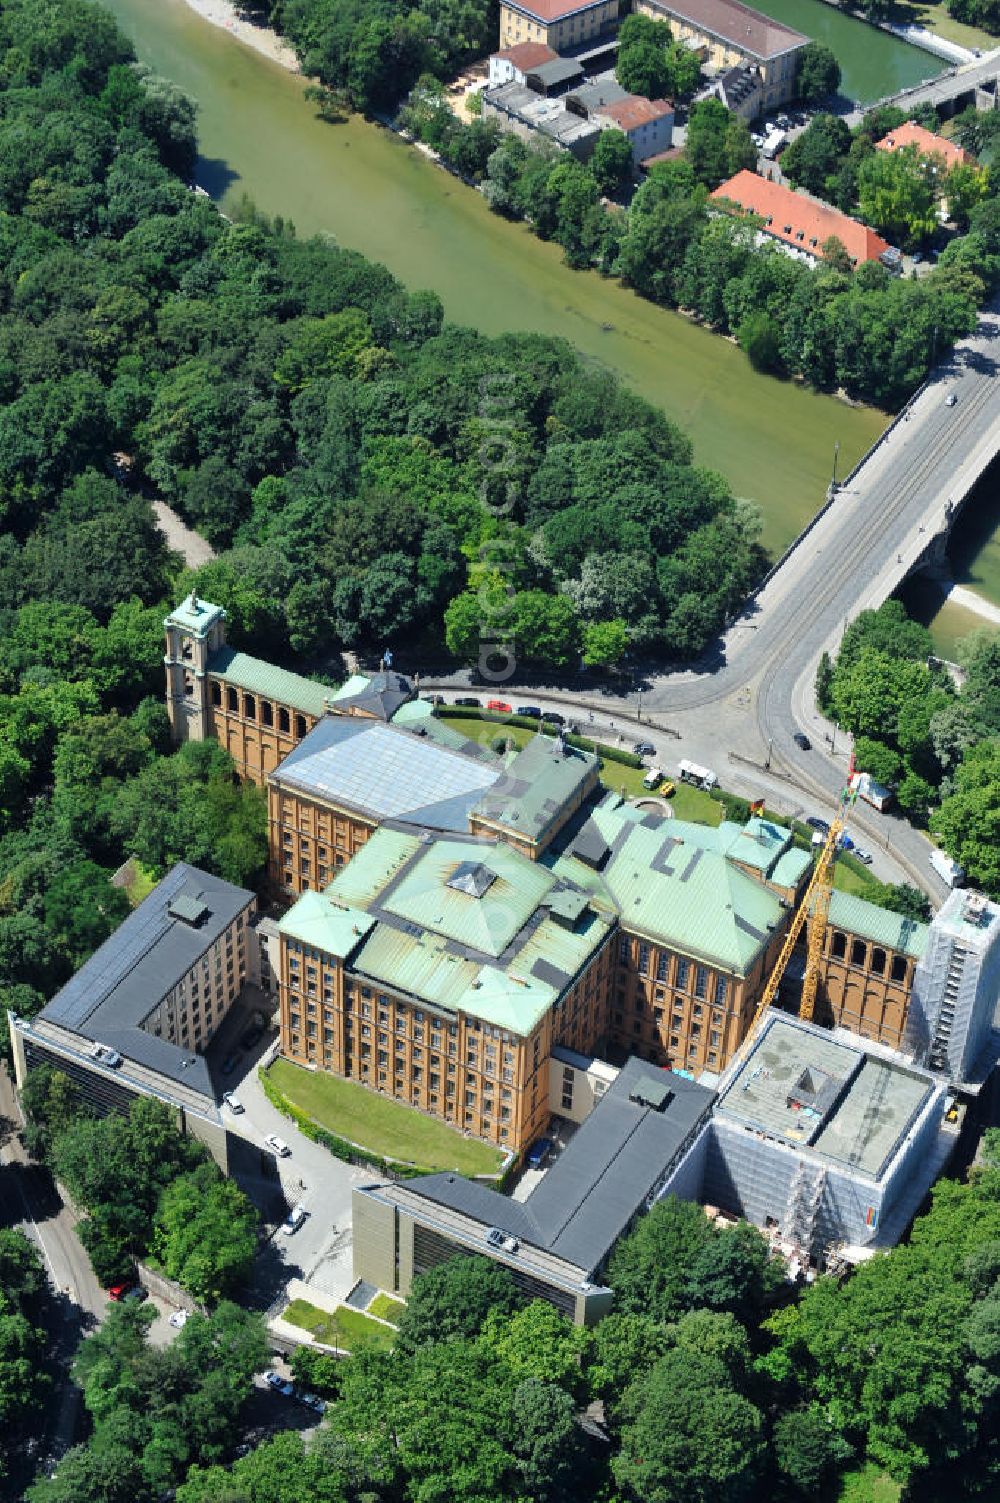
[(868, 1485), (938, 19), (140, 884), (850, 874), (389, 1129), (344, 1328), (387, 1308)]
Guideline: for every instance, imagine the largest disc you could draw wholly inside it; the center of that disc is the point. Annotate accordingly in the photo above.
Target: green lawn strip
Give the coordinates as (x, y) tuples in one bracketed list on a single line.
[(141, 885), (388, 1128), (850, 874), (343, 1328), (868, 1485), (386, 1308)]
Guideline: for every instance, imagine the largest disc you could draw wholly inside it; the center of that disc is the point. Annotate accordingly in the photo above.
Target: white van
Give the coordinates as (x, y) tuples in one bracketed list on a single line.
[(702, 777), (653, 778), (294, 1219)]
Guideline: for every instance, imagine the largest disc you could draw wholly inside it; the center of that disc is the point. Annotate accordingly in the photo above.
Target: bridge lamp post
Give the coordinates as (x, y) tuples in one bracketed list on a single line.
[(836, 456)]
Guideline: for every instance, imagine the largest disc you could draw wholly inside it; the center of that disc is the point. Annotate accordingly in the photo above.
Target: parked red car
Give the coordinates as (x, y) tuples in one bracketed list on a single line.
[(499, 706)]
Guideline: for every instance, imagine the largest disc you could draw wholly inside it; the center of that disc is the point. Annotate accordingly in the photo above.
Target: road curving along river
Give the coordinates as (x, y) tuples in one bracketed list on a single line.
[(774, 440)]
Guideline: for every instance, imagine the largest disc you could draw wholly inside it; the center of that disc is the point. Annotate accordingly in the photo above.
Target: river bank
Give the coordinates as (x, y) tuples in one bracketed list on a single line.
[(262, 39)]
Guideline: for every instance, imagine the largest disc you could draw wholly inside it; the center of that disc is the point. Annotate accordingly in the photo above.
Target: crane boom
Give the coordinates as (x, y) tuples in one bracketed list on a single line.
[(815, 901)]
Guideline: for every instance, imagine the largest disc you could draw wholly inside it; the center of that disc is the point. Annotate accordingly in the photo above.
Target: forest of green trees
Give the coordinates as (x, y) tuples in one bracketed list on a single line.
[(937, 745), (713, 1379)]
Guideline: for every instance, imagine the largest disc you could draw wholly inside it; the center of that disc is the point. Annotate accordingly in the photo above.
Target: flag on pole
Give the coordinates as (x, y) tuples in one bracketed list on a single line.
[(756, 808)]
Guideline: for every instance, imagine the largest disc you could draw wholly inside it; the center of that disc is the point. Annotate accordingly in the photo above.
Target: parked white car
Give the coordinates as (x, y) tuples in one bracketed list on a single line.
[(279, 1145), (233, 1102), (179, 1319)]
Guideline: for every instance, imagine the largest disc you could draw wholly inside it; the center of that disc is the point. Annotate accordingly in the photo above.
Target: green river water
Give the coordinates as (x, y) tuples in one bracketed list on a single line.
[(258, 135)]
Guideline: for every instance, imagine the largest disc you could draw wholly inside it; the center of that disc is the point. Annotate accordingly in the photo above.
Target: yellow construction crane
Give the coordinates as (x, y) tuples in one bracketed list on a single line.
[(815, 905)]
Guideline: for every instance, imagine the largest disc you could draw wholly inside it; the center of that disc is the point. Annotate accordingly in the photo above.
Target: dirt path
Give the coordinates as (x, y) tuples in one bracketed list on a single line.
[(192, 547)]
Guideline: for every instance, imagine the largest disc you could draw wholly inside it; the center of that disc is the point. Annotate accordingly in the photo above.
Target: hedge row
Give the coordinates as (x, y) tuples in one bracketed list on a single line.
[(528, 723)]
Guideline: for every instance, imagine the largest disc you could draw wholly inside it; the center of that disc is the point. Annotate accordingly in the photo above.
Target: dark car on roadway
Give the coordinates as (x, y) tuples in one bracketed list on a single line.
[(802, 741), (468, 702), (538, 1153), (250, 1037), (644, 749), (553, 718), (229, 1064), (818, 824), (529, 712)]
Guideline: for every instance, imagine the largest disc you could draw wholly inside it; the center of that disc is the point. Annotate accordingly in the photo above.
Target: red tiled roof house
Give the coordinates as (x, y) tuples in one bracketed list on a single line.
[(799, 223)]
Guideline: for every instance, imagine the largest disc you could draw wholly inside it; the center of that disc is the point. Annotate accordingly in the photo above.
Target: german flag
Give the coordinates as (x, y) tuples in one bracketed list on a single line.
[(756, 808)]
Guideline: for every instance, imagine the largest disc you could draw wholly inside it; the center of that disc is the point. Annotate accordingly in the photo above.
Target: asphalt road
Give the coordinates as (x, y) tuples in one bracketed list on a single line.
[(742, 706), (28, 1200)]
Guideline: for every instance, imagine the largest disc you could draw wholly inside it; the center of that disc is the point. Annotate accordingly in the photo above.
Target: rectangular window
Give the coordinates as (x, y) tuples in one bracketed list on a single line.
[(644, 959), (721, 988), (661, 966), (682, 972), (700, 981)]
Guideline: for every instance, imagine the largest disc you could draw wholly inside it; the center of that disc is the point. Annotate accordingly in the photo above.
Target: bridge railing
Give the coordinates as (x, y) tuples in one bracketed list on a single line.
[(834, 492)]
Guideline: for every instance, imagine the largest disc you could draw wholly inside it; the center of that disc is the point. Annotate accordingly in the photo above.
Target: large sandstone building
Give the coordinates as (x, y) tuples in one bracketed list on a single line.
[(458, 915)]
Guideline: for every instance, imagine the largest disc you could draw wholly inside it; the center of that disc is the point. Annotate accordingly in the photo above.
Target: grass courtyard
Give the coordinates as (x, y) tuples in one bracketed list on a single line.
[(344, 1328), (390, 1129)]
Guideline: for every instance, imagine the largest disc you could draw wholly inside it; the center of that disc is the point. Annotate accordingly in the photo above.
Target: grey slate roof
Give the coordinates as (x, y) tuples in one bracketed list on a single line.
[(587, 1199), (110, 995), (382, 696), (386, 772)]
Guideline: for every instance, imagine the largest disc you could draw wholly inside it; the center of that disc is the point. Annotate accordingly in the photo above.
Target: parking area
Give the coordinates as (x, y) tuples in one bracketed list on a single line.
[(318, 1251)]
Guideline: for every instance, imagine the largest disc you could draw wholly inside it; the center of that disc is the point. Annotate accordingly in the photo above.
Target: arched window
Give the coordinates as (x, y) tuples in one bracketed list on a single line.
[(249, 707), (300, 727), (266, 712), (878, 962), (859, 952), (187, 649), (283, 723), (232, 699), (188, 684), (838, 945), (899, 968), (216, 692)]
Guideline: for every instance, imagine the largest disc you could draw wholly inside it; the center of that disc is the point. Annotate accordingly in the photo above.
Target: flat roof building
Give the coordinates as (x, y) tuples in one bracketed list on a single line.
[(625, 1156), (952, 1015), (829, 1142), (797, 222)]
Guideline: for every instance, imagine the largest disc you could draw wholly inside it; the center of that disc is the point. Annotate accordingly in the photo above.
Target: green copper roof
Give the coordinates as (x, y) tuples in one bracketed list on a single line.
[(487, 923), (424, 966), (789, 868), (673, 883), (195, 615), (904, 935), (354, 685), (758, 843), (539, 780), (470, 925), (318, 921), (258, 677), (361, 881)]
